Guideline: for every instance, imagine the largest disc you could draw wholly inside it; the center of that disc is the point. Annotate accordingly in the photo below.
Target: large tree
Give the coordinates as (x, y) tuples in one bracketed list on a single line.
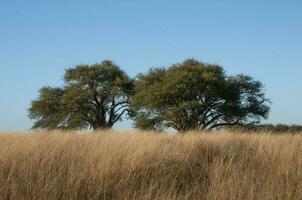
[(194, 95), (94, 96)]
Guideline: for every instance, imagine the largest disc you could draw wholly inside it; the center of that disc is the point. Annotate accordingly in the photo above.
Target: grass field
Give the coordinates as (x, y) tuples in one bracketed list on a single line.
[(114, 165)]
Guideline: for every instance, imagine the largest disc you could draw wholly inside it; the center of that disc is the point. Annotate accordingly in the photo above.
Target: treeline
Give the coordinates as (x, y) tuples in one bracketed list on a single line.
[(278, 128), (185, 96)]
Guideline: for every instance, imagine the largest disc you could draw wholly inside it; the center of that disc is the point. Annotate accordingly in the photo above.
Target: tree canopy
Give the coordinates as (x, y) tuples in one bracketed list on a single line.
[(194, 95), (191, 95), (94, 96)]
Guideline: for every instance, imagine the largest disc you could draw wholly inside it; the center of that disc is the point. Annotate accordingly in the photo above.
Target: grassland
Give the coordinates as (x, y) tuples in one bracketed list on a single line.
[(110, 165)]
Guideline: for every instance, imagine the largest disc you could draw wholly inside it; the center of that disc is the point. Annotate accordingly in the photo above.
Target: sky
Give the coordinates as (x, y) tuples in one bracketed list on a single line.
[(40, 39)]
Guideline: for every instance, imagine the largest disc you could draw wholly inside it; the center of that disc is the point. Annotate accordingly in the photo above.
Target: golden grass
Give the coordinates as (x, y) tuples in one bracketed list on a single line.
[(114, 165)]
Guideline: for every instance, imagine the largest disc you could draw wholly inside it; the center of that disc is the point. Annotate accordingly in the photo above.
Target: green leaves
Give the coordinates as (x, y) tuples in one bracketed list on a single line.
[(186, 96), (94, 96), (195, 95), (47, 108)]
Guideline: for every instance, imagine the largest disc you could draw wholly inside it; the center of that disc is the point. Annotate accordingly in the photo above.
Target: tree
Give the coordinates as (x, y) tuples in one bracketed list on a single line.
[(47, 109), (94, 96), (195, 95), (278, 128)]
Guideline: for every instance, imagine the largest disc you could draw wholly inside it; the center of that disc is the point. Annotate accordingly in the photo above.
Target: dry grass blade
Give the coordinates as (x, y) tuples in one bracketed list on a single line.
[(113, 165)]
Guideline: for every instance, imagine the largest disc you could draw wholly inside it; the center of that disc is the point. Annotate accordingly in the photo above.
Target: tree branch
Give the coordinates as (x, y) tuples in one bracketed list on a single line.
[(227, 124), (119, 116)]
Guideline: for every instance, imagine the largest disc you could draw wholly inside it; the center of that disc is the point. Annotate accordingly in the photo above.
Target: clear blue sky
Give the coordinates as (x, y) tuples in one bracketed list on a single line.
[(39, 39)]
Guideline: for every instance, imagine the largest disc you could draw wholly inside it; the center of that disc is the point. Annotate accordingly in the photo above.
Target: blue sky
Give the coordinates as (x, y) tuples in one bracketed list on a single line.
[(39, 39)]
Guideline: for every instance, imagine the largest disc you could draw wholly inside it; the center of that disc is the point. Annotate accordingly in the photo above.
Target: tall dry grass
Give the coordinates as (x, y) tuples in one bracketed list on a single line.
[(150, 166)]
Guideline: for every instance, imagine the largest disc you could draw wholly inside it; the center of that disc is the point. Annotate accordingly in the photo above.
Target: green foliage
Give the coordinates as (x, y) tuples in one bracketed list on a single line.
[(94, 96), (278, 128), (47, 108), (187, 96), (194, 95)]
